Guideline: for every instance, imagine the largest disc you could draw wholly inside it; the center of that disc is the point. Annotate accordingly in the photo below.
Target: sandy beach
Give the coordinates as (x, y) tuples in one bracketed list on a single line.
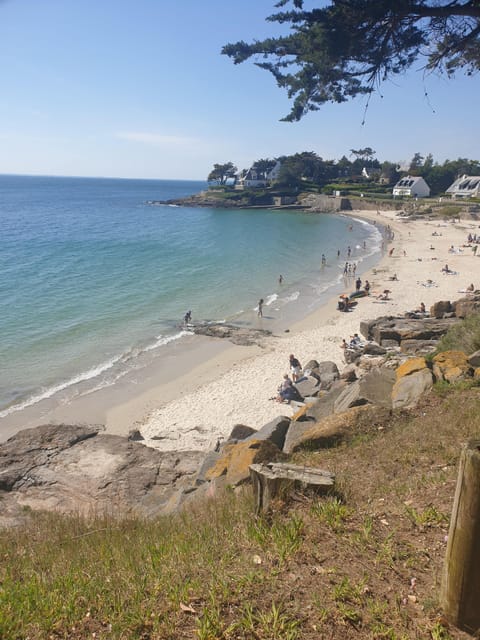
[(237, 385)]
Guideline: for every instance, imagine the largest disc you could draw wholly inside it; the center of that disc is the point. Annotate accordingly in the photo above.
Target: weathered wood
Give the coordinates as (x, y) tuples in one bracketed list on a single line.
[(279, 479), (461, 579)]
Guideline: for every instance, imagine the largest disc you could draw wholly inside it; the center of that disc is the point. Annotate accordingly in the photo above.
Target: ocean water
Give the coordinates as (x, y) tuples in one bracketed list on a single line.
[(93, 278)]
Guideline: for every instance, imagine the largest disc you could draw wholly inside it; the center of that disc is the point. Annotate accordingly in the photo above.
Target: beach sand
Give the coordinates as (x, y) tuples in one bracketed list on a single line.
[(227, 384), (237, 386)]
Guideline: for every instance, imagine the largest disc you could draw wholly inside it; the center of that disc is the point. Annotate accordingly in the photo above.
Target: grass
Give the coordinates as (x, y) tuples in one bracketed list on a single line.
[(365, 567), (464, 336)]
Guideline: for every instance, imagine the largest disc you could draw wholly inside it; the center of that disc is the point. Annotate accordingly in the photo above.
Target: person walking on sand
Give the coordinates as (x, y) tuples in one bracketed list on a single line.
[(260, 308)]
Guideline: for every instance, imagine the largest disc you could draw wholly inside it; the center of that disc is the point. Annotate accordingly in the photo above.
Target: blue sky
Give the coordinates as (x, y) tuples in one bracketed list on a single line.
[(138, 88)]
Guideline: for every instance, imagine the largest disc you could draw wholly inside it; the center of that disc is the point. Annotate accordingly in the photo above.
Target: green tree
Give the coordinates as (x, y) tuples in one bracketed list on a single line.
[(263, 167), (349, 47), (222, 172)]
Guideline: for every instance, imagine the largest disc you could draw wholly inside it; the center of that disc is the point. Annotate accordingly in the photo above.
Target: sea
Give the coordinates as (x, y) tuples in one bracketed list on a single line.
[(96, 276)]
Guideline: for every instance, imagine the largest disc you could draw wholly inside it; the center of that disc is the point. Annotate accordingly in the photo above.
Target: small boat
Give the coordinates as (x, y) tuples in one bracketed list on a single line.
[(358, 294)]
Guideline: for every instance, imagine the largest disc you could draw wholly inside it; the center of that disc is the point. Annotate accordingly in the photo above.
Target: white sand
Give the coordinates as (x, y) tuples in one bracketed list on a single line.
[(241, 391)]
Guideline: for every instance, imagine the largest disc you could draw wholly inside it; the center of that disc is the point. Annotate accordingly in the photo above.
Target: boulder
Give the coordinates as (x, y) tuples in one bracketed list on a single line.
[(274, 431), (234, 463), (474, 359), (438, 309), (372, 349), (79, 469), (408, 389), (467, 306), (240, 432), (418, 346), (324, 405), (452, 366), (374, 388), (308, 386), (311, 365), (349, 373), (410, 366), (332, 429)]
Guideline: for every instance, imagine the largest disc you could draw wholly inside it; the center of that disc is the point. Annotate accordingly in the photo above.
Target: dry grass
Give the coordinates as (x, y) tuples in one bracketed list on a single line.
[(366, 566)]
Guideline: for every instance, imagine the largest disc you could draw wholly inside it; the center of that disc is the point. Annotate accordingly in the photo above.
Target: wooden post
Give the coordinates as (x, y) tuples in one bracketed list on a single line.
[(460, 594), (277, 479)]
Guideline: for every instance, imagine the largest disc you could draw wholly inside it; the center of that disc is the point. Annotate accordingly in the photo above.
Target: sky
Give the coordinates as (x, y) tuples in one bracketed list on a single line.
[(139, 89)]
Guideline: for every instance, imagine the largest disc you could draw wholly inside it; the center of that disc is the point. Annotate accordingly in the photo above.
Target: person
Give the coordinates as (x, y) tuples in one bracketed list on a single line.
[(324, 260), (355, 340), (260, 307), (470, 288), (390, 253), (446, 269), (280, 279), (394, 277), (295, 367), (421, 308), (358, 284), (475, 250), (366, 286), (187, 318), (289, 393), (384, 295), (344, 345)]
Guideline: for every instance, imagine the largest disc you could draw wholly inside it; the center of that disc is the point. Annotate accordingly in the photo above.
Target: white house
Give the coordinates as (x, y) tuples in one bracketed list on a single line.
[(253, 179), (465, 187), (412, 186)]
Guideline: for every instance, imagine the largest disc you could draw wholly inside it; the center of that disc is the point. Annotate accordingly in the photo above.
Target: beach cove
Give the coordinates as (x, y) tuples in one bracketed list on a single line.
[(192, 404)]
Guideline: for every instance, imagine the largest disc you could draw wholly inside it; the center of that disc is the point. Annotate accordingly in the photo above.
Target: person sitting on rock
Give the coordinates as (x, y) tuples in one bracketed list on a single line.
[(287, 391)]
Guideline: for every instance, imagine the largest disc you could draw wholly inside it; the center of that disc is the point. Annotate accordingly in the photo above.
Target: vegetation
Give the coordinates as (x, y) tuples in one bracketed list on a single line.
[(463, 336), (364, 564), (364, 173), (336, 52)]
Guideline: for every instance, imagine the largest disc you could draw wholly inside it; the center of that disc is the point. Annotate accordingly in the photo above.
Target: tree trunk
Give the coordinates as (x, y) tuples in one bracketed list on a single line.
[(461, 578), (278, 479)]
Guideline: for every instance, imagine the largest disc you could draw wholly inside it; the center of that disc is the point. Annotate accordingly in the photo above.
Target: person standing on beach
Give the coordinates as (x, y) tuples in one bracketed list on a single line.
[(295, 367), (358, 284), (260, 308)]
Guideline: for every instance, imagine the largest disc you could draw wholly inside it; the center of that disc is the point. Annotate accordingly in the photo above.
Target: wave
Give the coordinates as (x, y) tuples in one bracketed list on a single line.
[(94, 372)]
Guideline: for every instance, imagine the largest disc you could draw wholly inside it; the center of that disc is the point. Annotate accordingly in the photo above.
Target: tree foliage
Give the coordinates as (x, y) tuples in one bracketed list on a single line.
[(349, 47), (222, 172)]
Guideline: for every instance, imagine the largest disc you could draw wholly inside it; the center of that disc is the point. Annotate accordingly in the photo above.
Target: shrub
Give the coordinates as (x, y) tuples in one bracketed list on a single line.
[(464, 336)]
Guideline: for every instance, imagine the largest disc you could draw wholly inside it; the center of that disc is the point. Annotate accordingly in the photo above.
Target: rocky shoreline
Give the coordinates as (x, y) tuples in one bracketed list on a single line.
[(80, 468)]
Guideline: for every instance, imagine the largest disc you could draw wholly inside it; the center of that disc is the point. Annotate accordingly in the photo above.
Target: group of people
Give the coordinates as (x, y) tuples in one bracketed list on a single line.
[(287, 391)]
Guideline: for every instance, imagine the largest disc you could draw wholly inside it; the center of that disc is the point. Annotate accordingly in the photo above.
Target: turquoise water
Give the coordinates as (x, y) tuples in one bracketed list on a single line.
[(92, 276)]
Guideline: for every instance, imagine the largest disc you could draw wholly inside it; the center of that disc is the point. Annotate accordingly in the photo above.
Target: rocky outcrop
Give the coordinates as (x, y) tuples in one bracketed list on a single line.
[(452, 366), (408, 389), (234, 462), (80, 469), (238, 335)]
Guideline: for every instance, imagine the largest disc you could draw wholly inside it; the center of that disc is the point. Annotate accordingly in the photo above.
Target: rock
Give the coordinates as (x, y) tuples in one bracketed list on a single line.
[(324, 405), (236, 459), (418, 346), (474, 359), (467, 306), (349, 373), (367, 363), (389, 344), (372, 349), (135, 435), (409, 388), (273, 431), (332, 429), (311, 365), (476, 373), (238, 335), (374, 388), (308, 386), (301, 414), (68, 468), (439, 308), (328, 372), (240, 432), (410, 366), (451, 366)]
